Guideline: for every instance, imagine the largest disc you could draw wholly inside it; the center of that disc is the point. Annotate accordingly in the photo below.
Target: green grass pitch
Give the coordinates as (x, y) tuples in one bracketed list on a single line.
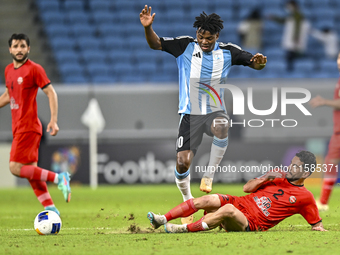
[(112, 220)]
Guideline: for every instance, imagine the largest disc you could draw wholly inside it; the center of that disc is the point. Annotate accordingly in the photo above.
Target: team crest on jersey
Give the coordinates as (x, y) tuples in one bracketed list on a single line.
[(217, 56), (292, 199), (20, 80)]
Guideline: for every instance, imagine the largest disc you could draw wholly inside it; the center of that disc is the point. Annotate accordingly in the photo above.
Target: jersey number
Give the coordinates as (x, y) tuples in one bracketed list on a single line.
[(180, 142), (278, 194)]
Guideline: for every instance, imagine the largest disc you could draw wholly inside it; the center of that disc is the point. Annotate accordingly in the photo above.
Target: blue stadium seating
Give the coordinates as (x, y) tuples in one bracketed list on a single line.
[(98, 69), (169, 65), (226, 14), (53, 17), (329, 67), (80, 30), (108, 79), (108, 33), (94, 56), (73, 5), (100, 5), (146, 69), (51, 5), (306, 66), (78, 17), (79, 78), (112, 31), (275, 66), (89, 43), (137, 42), (122, 70), (73, 70), (63, 43), (174, 16), (57, 30), (164, 76), (104, 18), (274, 53)]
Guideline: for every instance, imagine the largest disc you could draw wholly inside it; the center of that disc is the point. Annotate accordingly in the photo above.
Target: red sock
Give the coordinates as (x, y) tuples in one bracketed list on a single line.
[(40, 190), (327, 187), (329, 180), (196, 226), (34, 173), (185, 209)]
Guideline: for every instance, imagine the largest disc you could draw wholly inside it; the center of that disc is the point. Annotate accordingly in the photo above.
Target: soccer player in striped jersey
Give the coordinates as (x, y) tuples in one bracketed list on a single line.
[(333, 155), (23, 79), (203, 65)]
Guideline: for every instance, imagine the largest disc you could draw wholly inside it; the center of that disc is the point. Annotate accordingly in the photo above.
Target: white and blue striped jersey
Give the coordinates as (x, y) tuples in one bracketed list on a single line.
[(202, 73)]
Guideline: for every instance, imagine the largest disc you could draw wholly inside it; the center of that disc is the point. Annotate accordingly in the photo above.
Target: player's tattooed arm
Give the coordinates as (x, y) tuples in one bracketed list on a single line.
[(254, 184), (320, 101), (4, 99), (318, 227), (258, 61), (151, 37)]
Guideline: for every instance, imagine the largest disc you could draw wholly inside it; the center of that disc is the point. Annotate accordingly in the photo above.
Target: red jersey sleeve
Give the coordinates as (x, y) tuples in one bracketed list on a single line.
[(40, 77), (310, 211)]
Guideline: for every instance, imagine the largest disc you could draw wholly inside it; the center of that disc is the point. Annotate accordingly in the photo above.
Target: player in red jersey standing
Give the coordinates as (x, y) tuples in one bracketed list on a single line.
[(23, 79), (273, 197), (333, 156)]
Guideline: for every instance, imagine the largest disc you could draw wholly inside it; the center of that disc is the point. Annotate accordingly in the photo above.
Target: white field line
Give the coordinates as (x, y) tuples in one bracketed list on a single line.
[(28, 229)]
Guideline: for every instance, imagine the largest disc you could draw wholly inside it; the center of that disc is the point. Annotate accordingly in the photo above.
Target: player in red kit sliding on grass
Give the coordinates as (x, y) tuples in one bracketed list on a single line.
[(273, 197), (333, 156), (23, 79)]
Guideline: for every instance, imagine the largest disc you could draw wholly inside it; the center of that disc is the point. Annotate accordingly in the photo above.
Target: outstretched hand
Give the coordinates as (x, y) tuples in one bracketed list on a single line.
[(145, 16), (258, 58)]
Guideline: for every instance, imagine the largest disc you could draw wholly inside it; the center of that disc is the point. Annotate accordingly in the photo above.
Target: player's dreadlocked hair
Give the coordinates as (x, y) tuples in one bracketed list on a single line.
[(308, 159), (211, 23)]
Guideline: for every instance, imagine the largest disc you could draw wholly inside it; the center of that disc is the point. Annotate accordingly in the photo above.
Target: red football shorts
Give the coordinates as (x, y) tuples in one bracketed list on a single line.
[(25, 147), (227, 199), (334, 147)]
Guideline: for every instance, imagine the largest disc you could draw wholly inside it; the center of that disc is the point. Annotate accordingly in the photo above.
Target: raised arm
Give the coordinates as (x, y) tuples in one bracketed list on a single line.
[(254, 184), (151, 37), (320, 101), (258, 61), (53, 101), (4, 99)]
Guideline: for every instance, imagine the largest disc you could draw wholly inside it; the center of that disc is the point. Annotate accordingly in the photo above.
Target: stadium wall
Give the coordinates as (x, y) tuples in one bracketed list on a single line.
[(138, 142), (150, 111)]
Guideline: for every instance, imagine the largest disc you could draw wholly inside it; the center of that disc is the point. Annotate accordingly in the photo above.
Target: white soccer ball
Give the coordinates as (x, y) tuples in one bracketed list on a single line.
[(47, 223)]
